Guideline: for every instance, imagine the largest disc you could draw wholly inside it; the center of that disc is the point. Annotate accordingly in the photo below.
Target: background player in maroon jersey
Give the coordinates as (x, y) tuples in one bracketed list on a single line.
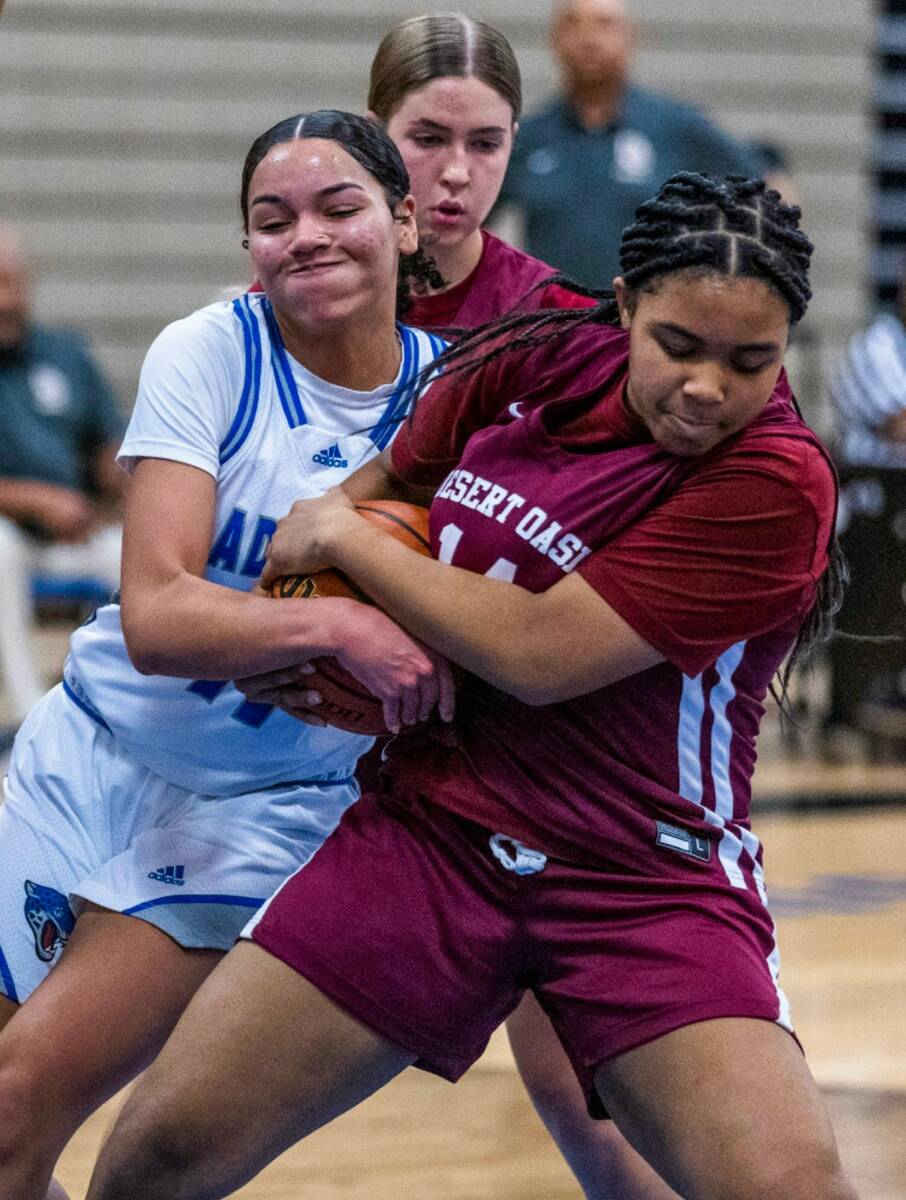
[(640, 474), (448, 91)]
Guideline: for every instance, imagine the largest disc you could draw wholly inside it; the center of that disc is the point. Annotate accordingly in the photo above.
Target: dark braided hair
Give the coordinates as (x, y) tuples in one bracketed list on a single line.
[(372, 149), (701, 226)]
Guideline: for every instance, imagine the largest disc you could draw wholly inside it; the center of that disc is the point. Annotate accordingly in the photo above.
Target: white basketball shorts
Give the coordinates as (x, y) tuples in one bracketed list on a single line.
[(83, 821)]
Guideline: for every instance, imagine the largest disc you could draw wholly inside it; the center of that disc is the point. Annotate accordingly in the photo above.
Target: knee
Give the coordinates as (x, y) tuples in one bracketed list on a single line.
[(820, 1174), (160, 1161)]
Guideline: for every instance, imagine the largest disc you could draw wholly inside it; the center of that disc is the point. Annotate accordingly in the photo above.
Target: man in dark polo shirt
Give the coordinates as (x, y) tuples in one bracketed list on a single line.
[(59, 484), (584, 163)]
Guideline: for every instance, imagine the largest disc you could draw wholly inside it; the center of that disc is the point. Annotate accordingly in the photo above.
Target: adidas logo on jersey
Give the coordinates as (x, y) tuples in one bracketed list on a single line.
[(169, 875), (330, 457)]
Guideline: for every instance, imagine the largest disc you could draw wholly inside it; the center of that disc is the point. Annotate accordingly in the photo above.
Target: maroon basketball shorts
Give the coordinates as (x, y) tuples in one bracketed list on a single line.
[(428, 928)]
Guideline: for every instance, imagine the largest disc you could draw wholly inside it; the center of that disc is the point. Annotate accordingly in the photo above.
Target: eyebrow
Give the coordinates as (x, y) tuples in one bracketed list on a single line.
[(429, 124), (746, 347), (328, 191)]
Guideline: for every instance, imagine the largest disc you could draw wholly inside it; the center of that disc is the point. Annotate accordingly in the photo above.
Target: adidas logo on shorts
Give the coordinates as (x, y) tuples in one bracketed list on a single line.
[(330, 457), (172, 875)]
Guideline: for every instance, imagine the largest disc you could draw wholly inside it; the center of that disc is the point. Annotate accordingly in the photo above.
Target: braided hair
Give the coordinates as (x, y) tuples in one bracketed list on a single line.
[(372, 149), (697, 226)]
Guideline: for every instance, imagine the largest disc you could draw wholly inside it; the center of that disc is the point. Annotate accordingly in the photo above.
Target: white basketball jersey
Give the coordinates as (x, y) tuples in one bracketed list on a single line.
[(270, 432)]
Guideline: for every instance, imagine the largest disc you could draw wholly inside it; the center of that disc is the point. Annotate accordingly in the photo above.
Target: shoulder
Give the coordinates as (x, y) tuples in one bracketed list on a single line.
[(420, 347), (666, 117), (213, 332), (540, 127), (58, 343), (660, 107), (500, 255), (885, 335), (582, 360), (780, 447)]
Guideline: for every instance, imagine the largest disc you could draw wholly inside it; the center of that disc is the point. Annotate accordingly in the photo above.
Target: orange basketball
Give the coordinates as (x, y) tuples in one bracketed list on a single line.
[(346, 703)]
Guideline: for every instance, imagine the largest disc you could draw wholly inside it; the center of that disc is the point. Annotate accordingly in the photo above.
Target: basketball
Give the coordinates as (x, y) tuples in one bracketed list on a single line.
[(346, 703)]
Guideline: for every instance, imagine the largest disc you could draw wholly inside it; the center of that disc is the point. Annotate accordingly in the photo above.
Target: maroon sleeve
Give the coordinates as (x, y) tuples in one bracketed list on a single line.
[(454, 407), (735, 552), (556, 296)]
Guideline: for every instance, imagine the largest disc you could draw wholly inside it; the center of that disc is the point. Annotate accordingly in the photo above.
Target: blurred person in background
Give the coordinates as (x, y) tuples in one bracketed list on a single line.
[(60, 426), (583, 164), (867, 395)]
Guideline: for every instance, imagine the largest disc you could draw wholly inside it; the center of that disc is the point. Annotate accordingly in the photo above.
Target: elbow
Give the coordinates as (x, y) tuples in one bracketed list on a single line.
[(145, 653)]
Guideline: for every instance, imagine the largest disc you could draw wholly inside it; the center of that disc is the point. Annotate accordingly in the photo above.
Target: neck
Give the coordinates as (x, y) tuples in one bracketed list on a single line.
[(361, 361), (456, 263), (596, 103)]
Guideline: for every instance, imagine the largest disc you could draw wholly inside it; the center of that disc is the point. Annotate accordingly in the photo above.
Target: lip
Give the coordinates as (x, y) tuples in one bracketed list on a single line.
[(447, 214), (690, 421), (314, 268)]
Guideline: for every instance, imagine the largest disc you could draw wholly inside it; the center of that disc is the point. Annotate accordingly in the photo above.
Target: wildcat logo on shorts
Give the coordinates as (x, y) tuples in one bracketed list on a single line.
[(50, 917)]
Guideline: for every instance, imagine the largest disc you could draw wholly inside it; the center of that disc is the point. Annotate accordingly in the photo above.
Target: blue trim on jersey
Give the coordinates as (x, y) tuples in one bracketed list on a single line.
[(398, 404), (6, 976), (290, 400), (251, 383), (86, 707), (237, 901)]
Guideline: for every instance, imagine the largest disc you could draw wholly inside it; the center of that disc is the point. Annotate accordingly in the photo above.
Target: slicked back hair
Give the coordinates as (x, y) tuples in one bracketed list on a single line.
[(436, 46)]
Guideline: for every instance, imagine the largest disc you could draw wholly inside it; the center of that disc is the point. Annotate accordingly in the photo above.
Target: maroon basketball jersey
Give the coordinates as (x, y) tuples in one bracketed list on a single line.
[(503, 279), (531, 499)]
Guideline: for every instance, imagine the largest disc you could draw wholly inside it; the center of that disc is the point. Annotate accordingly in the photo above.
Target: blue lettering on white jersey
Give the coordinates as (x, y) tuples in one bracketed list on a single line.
[(277, 422)]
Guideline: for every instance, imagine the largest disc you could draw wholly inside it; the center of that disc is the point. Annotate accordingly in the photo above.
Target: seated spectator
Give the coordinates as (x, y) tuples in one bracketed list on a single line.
[(868, 396), (59, 485)]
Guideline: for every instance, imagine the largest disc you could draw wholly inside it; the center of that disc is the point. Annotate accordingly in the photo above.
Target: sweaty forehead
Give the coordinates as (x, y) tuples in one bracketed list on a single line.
[(307, 162)]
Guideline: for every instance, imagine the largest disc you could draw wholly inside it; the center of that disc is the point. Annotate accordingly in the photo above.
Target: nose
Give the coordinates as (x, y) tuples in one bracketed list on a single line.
[(308, 235), (704, 385), (456, 168)]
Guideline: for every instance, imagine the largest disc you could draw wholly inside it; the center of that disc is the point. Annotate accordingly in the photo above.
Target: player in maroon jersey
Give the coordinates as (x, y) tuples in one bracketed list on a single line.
[(634, 528), (448, 91)]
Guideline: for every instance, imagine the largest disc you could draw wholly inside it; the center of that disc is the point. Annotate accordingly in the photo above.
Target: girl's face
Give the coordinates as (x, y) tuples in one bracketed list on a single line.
[(455, 135), (704, 356), (322, 239)]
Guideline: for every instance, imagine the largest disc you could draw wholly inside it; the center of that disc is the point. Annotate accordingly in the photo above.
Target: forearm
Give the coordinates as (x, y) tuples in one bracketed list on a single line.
[(496, 630), (192, 628), (24, 499)]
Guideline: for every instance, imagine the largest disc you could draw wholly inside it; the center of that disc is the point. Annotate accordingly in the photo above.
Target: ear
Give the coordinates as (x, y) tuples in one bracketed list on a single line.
[(407, 232), (374, 118), (622, 292)]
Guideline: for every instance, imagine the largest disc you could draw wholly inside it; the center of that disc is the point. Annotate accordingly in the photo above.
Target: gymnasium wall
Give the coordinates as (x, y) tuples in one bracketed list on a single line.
[(123, 125)]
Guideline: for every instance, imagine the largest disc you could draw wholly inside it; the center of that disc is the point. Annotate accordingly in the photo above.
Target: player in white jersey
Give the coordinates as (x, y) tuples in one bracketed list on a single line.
[(149, 808)]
